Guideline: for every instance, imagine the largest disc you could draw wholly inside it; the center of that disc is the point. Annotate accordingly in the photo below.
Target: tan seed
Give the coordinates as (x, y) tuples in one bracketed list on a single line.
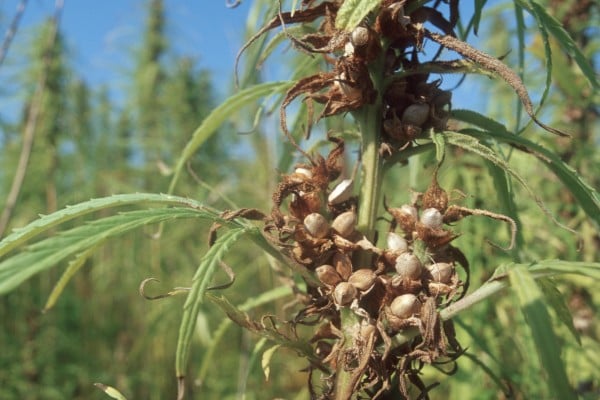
[(316, 225), (344, 293), (363, 279), (344, 223), (441, 272), (408, 266), (405, 305), (327, 275)]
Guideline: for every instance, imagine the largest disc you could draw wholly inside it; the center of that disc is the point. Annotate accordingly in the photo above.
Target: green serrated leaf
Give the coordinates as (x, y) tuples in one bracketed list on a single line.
[(110, 391), (49, 252), (477, 119), (195, 298), (219, 115), (501, 177), (556, 300), (559, 267), (46, 222), (473, 145), (586, 195), (567, 43), (74, 266), (266, 360), (540, 324), (353, 12)]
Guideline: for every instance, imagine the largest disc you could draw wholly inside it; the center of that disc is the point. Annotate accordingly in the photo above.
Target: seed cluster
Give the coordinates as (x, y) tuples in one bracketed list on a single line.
[(400, 285), (389, 288)]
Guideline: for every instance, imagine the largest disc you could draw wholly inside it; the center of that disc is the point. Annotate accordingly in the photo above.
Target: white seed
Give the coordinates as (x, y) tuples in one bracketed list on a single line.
[(344, 223), (405, 305), (415, 114), (342, 192), (441, 272), (432, 218), (328, 275), (409, 210), (344, 293), (396, 242), (304, 172), (363, 279), (408, 266), (316, 225)]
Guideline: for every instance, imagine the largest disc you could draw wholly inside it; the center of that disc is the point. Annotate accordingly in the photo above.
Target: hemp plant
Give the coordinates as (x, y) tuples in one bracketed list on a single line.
[(377, 282)]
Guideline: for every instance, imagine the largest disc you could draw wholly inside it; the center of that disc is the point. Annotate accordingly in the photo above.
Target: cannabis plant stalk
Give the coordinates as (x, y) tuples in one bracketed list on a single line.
[(368, 119), (376, 280)]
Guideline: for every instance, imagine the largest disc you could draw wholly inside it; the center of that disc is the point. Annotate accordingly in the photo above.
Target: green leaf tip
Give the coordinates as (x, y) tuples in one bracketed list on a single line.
[(353, 12)]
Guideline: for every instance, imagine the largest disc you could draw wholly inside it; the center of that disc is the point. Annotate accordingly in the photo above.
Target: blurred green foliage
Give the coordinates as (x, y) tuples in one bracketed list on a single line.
[(102, 330)]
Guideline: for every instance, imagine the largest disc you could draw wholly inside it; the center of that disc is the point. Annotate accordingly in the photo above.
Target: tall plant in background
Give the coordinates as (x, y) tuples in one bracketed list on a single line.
[(378, 272)]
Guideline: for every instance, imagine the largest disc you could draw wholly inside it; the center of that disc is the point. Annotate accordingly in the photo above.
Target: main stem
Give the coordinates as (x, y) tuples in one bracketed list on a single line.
[(369, 122)]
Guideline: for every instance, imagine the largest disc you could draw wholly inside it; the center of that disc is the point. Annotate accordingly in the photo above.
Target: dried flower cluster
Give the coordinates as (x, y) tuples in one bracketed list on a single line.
[(363, 295), (389, 288)]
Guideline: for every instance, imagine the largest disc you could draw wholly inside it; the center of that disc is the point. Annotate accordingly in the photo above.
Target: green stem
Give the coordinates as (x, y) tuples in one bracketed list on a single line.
[(369, 121), (344, 385)]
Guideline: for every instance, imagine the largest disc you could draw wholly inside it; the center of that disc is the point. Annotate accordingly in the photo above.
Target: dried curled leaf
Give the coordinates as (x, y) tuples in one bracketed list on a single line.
[(496, 66)]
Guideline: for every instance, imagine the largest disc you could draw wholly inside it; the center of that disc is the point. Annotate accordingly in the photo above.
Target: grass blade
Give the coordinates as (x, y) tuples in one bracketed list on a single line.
[(540, 324)]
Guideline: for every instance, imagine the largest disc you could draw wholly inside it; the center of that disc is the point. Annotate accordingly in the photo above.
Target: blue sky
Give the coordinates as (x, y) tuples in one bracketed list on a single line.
[(101, 34)]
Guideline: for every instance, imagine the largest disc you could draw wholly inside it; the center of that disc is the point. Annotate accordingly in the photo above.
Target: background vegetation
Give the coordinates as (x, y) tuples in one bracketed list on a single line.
[(102, 330)]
